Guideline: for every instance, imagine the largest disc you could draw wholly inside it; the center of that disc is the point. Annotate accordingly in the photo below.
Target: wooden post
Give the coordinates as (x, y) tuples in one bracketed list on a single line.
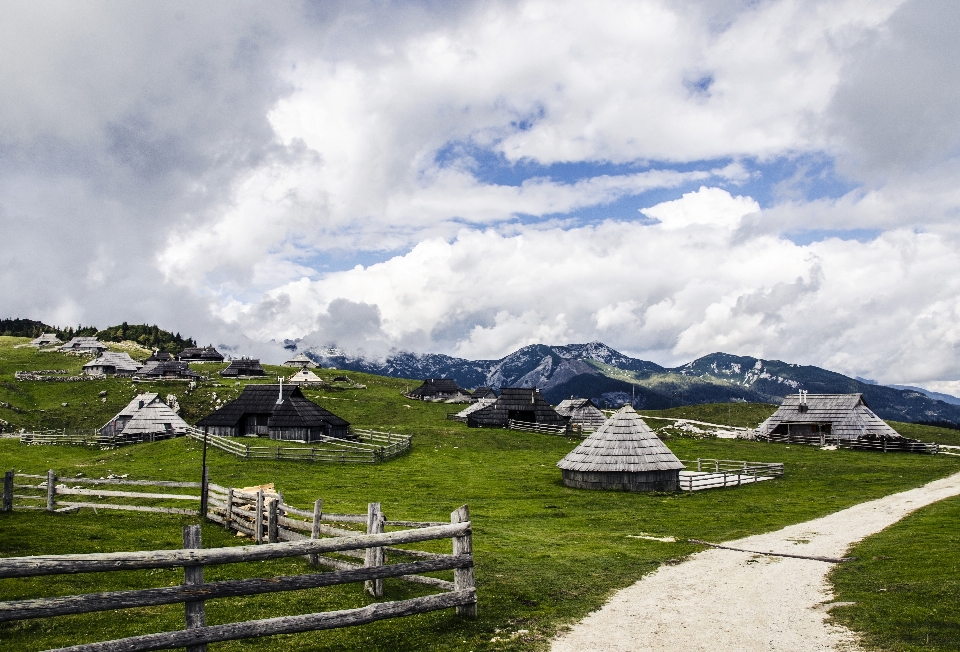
[(7, 491), (258, 518), (273, 532), (315, 530), (374, 556), (193, 575), (463, 577), (228, 516), (51, 490)]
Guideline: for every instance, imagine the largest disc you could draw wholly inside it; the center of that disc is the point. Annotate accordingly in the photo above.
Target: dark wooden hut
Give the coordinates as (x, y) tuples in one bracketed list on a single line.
[(438, 389), (623, 454), (482, 392), (200, 354), (282, 414), (243, 367), (824, 418), (160, 356), (517, 404), (169, 370), (581, 412)]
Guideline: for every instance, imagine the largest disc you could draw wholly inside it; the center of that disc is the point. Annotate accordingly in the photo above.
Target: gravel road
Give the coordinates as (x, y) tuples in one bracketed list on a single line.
[(722, 600)]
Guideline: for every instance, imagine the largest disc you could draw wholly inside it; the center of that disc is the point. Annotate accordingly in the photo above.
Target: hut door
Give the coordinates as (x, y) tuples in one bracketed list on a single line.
[(522, 415)]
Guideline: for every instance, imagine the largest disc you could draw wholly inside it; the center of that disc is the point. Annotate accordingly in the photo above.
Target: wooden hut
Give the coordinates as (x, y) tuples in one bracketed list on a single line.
[(169, 370), (200, 354), (438, 389), (45, 339), (145, 418), (83, 345), (243, 367), (516, 404), (623, 454), (825, 418), (482, 392), (463, 414), (301, 361), (275, 411), (111, 363), (305, 377), (159, 356), (581, 412)]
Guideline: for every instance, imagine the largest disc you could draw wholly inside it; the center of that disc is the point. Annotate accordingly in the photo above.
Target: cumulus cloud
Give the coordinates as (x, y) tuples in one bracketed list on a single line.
[(199, 165)]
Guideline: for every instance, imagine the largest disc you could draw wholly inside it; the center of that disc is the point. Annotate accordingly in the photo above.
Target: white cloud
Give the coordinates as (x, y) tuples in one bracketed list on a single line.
[(707, 206)]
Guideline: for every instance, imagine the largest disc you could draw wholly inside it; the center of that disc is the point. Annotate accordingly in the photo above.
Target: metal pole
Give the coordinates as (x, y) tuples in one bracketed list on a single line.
[(203, 478)]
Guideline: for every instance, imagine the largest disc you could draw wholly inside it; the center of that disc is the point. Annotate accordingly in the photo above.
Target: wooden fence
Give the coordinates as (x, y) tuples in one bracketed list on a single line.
[(541, 428), (823, 439), (371, 446), (948, 450), (79, 437), (44, 495), (704, 473), (461, 593)]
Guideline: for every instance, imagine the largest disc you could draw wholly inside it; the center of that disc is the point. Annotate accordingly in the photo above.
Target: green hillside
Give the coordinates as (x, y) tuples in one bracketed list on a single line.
[(546, 555)]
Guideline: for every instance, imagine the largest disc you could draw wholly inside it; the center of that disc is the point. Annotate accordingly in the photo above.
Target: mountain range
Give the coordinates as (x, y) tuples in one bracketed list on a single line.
[(610, 379)]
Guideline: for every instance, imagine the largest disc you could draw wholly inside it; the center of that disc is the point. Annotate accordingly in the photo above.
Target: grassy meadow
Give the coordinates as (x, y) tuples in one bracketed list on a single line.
[(546, 555)]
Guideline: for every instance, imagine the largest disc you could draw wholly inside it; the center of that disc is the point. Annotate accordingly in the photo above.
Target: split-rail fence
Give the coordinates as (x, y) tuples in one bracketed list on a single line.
[(886, 445), (86, 437), (704, 473), (280, 530), (371, 446)]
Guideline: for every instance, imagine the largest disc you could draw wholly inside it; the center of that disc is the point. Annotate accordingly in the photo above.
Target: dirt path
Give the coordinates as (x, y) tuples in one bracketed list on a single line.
[(721, 600)]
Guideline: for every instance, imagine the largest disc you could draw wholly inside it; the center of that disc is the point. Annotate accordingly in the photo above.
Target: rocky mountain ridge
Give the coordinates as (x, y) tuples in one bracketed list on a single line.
[(612, 378)]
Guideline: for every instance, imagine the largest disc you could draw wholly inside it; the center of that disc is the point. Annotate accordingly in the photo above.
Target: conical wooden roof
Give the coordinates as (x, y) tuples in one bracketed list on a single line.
[(623, 444)]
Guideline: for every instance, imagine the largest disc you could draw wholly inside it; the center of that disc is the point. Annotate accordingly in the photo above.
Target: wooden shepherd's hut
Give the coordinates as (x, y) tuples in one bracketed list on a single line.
[(581, 412), (242, 367), (146, 418), (281, 413), (825, 418), (516, 404), (434, 389), (624, 455)]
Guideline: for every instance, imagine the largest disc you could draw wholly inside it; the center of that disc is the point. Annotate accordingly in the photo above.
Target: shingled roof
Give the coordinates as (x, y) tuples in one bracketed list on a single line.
[(200, 354), (119, 363), (623, 444), (438, 387), (581, 411), (848, 416), (294, 411), (243, 367), (519, 403), (301, 360), (145, 415)]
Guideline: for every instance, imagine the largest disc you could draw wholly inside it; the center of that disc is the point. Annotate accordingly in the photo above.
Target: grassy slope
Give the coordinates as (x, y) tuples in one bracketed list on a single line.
[(546, 554), (906, 584)]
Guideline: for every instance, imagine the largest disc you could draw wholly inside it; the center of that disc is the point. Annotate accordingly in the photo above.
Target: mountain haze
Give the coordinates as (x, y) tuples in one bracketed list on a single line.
[(611, 378)]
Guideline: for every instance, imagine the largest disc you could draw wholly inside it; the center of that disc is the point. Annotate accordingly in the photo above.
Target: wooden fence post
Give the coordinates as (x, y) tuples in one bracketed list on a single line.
[(272, 529), (315, 530), (463, 577), (228, 515), (193, 575), (374, 556), (7, 491), (258, 518), (51, 490)]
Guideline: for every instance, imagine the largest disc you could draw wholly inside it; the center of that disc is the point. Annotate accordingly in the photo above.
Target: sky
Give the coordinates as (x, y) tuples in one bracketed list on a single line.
[(775, 178)]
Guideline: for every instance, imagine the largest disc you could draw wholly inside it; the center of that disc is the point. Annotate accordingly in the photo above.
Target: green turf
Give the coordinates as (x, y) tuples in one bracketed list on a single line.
[(546, 554), (905, 586)]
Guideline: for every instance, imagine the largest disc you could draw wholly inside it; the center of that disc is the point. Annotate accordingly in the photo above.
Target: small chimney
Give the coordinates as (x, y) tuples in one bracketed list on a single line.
[(803, 400), (280, 398)]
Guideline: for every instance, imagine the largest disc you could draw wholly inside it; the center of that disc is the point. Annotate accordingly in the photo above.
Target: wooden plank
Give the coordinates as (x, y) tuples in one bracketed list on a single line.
[(133, 508), (374, 556), (123, 494), (272, 521), (107, 601), (258, 518), (97, 562), (315, 526), (228, 516), (282, 625), (463, 546), (132, 483), (194, 613)]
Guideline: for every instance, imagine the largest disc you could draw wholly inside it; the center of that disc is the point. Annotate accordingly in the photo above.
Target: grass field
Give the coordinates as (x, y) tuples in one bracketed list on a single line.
[(905, 586), (546, 554)]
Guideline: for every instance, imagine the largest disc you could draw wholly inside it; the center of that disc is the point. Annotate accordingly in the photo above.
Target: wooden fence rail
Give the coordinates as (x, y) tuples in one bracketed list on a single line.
[(51, 487), (823, 439), (370, 447), (461, 593), (541, 428), (704, 473)]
